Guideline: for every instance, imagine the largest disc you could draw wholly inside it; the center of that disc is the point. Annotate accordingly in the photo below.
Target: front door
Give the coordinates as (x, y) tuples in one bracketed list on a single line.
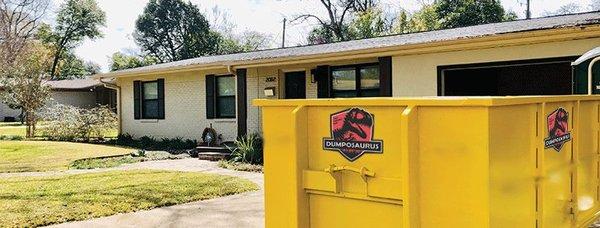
[(295, 85)]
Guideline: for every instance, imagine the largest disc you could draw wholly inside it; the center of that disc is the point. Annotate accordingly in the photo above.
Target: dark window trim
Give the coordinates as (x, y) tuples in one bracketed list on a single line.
[(442, 68), (217, 96), (144, 100), (357, 68)]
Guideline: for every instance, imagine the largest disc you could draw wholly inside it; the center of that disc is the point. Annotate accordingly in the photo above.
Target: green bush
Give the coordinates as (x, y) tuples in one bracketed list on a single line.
[(70, 123), (248, 149), (11, 137), (125, 140), (150, 143), (238, 166)]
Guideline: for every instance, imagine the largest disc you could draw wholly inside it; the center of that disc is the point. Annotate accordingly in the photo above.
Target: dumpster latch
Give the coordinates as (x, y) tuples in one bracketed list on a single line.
[(364, 172)]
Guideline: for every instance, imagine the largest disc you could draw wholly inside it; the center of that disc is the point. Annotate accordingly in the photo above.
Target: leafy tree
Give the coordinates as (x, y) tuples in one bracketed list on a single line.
[(76, 21), (321, 35), (461, 13), (444, 14), (369, 23), (72, 67), (120, 61), (247, 41), (171, 30), (425, 19), (24, 83)]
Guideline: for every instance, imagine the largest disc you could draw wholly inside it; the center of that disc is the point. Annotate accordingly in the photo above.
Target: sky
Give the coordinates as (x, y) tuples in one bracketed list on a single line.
[(264, 16)]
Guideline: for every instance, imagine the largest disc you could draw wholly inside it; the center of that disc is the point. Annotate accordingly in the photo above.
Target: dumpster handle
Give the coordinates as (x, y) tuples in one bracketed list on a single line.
[(364, 172)]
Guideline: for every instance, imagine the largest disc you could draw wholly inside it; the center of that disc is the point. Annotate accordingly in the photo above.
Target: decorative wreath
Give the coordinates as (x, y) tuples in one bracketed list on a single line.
[(209, 136)]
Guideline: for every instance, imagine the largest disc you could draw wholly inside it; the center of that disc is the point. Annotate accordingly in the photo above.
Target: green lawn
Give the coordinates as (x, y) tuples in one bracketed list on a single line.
[(12, 130), (26, 202), (30, 156), (19, 130), (95, 163)]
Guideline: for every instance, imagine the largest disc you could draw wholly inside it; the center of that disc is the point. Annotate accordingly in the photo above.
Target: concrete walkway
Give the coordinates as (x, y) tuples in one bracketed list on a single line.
[(242, 210)]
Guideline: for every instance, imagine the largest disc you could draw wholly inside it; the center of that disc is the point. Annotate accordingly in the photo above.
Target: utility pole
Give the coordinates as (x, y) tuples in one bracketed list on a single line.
[(283, 36), (528, 12)]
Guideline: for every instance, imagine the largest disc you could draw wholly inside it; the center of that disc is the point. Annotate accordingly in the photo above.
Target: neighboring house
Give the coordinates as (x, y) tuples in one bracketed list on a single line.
[(83, 93), (526, 57)]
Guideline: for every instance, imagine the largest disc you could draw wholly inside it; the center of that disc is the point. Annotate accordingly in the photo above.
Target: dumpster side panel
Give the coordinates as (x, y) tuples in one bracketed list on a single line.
[(453, 167), (587, 161), (285, 157), (556, 169), (513, 166), (345, 198)]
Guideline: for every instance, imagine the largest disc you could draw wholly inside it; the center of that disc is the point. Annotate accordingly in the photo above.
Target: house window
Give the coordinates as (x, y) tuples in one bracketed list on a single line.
[(225, 97), (150, 102), (355, 81)]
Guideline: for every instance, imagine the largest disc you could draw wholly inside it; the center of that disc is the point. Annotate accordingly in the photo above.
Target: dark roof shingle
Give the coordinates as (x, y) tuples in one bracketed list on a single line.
[(564, 21)]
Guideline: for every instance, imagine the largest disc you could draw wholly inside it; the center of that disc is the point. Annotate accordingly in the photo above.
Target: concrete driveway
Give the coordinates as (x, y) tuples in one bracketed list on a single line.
[(243, 210)]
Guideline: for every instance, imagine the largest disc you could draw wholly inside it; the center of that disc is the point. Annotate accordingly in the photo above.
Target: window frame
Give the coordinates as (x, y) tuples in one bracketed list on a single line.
[(358, 76), (218, 97), (144, 100)]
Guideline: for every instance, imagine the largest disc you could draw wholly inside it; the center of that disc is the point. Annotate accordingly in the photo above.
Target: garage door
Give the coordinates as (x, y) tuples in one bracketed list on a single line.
[(516, 78)]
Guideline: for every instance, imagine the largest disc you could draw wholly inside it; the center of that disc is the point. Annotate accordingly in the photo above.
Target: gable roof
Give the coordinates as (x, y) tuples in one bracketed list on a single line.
[(74, 84), (555, 22)]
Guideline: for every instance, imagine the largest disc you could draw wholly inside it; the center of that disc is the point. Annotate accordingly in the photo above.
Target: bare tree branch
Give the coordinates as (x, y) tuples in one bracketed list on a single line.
[(19, 20), (338, 14)]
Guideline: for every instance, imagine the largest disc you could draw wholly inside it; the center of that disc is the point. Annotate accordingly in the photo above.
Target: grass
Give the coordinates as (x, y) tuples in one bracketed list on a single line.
[(32, 156), (94, 163), (30, 202), (16, 128), (239, 166)]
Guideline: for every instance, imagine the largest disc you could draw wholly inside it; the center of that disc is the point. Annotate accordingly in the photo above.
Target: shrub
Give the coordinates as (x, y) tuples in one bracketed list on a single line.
[(238, 166), (138, 153), (147, 143), (150, 143), (125, 140), (69, 123), (11, 137), (248, 149)]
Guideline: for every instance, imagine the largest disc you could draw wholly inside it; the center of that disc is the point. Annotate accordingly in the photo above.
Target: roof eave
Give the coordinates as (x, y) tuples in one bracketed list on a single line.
[(467, 43)]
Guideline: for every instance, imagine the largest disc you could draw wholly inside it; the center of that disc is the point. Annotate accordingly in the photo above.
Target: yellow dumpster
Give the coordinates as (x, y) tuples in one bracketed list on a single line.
[(432, 162)]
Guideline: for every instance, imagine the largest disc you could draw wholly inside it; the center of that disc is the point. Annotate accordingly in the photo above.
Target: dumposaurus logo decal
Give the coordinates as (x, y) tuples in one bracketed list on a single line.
[(558, 129), (352, 134)]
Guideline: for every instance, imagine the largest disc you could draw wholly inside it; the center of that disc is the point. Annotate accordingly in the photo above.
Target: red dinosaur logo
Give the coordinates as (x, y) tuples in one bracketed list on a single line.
[(558, 129), (352, 134)]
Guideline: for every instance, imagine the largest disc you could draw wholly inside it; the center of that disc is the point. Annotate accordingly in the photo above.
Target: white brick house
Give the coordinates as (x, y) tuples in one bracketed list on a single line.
[(180, 99)]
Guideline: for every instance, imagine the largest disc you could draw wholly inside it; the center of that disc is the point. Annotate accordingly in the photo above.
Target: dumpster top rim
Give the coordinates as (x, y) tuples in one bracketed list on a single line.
[(424, 101)]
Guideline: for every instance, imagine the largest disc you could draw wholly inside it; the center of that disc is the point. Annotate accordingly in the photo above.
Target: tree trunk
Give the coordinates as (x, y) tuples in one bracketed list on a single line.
[(27, 126), (30, 124), (54, 65)]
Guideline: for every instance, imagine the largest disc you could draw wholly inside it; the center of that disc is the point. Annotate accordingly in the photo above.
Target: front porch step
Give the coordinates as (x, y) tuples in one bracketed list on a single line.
[(213, 153)]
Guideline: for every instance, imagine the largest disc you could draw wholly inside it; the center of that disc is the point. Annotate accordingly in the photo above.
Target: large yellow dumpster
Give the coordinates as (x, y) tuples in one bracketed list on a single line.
[(432, 162)]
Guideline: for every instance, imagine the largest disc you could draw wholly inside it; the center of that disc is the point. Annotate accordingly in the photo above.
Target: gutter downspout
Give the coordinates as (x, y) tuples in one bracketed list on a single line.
[(118, 89), (590, 74), (231, 70)]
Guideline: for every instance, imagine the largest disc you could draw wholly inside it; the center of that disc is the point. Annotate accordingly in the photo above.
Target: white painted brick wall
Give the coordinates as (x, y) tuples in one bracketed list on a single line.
[(185, 109)]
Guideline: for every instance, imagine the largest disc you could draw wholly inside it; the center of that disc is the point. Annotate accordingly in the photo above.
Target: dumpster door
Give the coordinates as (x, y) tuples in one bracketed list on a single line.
[(556, 178), (354, 167)]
